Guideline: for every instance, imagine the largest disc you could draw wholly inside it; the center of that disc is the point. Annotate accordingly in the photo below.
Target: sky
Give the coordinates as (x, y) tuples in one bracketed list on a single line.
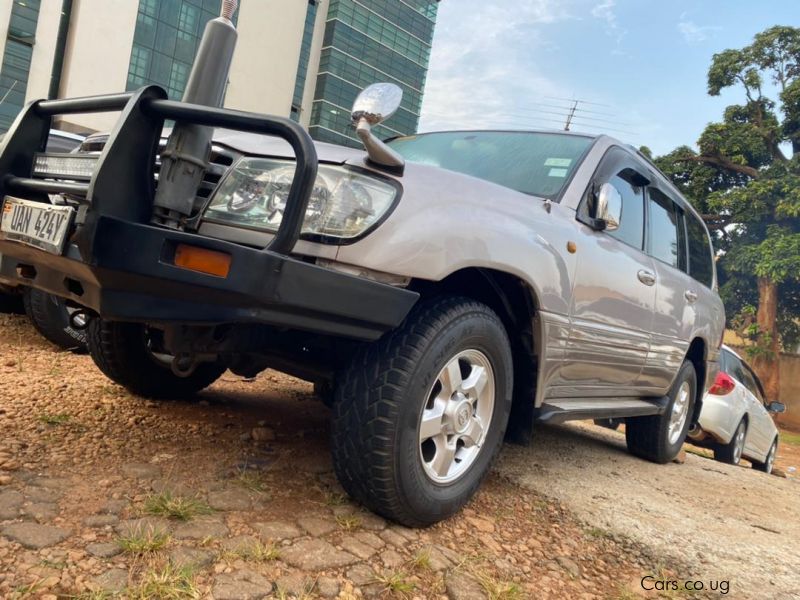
[(642, 64)]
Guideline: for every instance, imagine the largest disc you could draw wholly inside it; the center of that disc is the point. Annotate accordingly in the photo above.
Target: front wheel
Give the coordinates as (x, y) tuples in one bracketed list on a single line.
[(129, 354), (769, 463), (420, 415), (731, 452), (659, 438), (52, 318)]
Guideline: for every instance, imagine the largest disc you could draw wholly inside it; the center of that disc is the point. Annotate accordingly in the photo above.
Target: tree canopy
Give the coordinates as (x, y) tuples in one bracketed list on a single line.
[(744, 178)]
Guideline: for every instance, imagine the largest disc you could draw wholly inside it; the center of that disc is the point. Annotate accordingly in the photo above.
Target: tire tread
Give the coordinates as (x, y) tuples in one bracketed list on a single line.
[(119, 352), (366, 406)]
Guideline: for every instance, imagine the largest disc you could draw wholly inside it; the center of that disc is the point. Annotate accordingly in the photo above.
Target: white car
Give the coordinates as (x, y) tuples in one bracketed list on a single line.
[(735, 420)]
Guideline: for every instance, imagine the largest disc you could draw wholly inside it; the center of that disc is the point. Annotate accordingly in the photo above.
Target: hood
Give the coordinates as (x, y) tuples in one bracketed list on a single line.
[(261, 145), (251, 143)]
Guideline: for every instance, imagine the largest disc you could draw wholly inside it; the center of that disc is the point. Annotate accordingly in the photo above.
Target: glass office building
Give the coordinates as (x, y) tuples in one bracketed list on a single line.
[(367, 41), (305, 59), (17, 59), (165, 42)]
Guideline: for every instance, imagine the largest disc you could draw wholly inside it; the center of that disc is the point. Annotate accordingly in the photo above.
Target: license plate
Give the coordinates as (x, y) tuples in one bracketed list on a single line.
[(36, 224)]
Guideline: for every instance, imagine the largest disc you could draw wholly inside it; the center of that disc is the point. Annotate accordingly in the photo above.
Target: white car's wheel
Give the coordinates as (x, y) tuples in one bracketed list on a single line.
[(769, 463), (731, 452)]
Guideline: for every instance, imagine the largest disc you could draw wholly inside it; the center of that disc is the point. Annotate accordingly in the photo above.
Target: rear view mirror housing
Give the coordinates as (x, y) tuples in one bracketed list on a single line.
[(776, 407), (605, 210)]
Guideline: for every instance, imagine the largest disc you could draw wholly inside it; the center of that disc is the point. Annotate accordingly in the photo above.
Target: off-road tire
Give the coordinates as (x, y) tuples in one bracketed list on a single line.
[(50, 317), (378, 406), (11, 303), (120, 351), (768, 465), (648, 438), (726, 453), (323, 390)]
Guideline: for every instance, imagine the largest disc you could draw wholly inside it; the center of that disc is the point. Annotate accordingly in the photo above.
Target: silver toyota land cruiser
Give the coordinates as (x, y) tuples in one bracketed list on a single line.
[(443, 290)]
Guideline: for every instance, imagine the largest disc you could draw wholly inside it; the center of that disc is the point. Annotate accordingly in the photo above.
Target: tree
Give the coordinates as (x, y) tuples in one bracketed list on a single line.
[(748, 191)]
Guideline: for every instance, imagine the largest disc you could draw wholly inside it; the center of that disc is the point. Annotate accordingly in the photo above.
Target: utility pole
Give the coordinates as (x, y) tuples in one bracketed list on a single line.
[(571, 114)]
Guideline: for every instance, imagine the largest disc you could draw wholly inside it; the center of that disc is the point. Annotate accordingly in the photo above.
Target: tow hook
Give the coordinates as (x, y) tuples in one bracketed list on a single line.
[(183, 364), (79, 319)]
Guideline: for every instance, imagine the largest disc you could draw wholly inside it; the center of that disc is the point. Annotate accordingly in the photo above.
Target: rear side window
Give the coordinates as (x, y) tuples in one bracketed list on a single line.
[(701, 262), (631, 225), (752, 384), (733, 367), (665, 237)]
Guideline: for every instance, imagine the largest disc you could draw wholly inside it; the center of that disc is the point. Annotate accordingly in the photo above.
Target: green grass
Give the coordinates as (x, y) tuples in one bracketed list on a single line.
[(95, 595), (167, 583), (251, 481), (788, 437), (335, 499), (54, 419), (348, 522), (171, 506), (496, 589), (395, 583), (256, 552), (26, 591), (599, 533), (143, 540), (422, 560)]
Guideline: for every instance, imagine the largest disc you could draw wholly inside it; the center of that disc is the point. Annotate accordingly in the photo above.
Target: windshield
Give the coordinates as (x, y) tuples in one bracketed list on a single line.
[(539, 164)]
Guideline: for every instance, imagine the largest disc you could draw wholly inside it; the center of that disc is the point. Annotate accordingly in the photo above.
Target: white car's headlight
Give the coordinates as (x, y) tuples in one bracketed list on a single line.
[(344, 204)]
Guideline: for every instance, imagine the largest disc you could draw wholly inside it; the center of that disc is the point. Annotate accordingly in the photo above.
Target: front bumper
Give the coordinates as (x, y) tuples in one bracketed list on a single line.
[(122, 268), (128, 277)]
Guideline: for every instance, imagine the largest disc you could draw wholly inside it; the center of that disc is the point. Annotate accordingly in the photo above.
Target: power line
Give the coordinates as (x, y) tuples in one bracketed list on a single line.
[(573, 114), (576, 100)]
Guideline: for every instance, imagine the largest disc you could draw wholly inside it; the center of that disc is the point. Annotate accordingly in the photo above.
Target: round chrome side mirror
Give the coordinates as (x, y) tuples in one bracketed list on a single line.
[(377, 103), (609, 207), (776, 407)]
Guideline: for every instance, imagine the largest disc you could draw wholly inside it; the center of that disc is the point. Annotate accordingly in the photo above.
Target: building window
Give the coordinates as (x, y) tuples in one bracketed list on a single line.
[(367, 41), (140, 65), (17, 60), (305, 56), (187, 21), (165, 42)]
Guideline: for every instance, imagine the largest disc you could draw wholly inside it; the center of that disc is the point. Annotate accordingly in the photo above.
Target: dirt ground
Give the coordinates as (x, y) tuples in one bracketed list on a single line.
[(232, 496), (730, 523)]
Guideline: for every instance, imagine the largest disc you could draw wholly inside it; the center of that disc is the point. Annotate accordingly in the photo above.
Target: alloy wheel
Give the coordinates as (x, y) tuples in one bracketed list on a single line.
[(680, 412), (456, 417), (739, 446)]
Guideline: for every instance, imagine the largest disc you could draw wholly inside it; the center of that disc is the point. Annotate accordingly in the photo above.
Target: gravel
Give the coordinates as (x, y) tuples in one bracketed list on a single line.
[(83, 456), (714, 521)]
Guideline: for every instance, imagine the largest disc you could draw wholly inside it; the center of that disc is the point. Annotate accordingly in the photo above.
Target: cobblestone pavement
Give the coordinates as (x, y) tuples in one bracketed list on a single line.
[(232, 496)]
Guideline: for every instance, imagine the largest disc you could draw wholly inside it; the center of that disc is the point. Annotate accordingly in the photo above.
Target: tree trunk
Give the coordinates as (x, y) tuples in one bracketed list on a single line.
[(767, 365)]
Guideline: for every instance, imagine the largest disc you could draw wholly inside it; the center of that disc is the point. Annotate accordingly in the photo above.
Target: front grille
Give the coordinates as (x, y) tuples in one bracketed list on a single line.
[(220, 160)]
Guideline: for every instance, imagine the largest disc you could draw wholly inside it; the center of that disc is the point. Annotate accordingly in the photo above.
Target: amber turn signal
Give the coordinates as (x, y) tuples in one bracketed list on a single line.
[(202, 260)]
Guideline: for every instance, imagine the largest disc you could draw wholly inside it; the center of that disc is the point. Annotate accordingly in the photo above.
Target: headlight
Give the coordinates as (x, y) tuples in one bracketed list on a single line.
[(343, 204)]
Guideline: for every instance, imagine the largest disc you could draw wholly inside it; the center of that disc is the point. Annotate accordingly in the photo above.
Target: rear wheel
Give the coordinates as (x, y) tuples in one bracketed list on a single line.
[(420, 415), (323, 390), (10, 303), (769, 463), (659, 438), (129, 354), (50, 316), (731, 452)]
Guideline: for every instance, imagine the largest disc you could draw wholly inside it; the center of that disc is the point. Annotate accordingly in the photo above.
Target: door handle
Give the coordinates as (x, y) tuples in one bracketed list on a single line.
[(691, 296), (646, 277)]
